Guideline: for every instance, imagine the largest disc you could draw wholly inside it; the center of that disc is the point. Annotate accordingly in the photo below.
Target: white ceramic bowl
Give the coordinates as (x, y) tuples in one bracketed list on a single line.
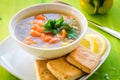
[(49, 53)]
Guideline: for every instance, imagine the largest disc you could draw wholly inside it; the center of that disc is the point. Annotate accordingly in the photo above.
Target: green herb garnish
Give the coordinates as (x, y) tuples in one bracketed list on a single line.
[(71, 33), (55, 26)]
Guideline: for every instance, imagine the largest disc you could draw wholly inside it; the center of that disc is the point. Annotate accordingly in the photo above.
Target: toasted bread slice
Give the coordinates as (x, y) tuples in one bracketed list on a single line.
[(63, 70), (83, 58), (42, 72)]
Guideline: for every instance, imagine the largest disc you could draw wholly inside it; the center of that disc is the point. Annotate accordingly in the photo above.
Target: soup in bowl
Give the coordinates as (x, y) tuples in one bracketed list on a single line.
[(48, 30)]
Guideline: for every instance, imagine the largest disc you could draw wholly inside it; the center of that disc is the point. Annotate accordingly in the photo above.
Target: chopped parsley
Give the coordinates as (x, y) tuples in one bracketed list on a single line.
[(55, 26)]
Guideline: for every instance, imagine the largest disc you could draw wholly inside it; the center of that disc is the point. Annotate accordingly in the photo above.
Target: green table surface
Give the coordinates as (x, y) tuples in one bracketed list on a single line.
[(110, 67)]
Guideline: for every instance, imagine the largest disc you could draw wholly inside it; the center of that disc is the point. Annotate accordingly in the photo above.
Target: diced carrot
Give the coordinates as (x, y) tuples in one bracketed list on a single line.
[(40, 17), (29, 41), (53, 40), (35, 33), (42, 36), (47, 38), (63, 34), (40, 30), (35, 27), (39, 22)]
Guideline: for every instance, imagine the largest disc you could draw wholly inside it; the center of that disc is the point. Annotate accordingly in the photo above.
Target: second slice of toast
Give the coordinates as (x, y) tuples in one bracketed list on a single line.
[(63, 70)]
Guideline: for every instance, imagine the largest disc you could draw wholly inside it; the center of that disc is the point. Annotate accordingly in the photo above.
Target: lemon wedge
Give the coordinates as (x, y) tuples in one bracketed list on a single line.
[(95, 43)]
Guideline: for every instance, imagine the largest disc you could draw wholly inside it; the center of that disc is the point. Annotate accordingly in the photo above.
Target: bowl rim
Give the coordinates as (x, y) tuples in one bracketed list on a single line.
[(55, 48)]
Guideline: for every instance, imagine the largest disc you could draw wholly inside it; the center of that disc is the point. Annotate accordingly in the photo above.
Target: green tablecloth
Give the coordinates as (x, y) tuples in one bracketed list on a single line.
[(110, 67)]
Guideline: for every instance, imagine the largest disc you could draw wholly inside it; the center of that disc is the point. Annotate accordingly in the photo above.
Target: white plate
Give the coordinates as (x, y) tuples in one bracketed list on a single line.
[(20, 64)]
